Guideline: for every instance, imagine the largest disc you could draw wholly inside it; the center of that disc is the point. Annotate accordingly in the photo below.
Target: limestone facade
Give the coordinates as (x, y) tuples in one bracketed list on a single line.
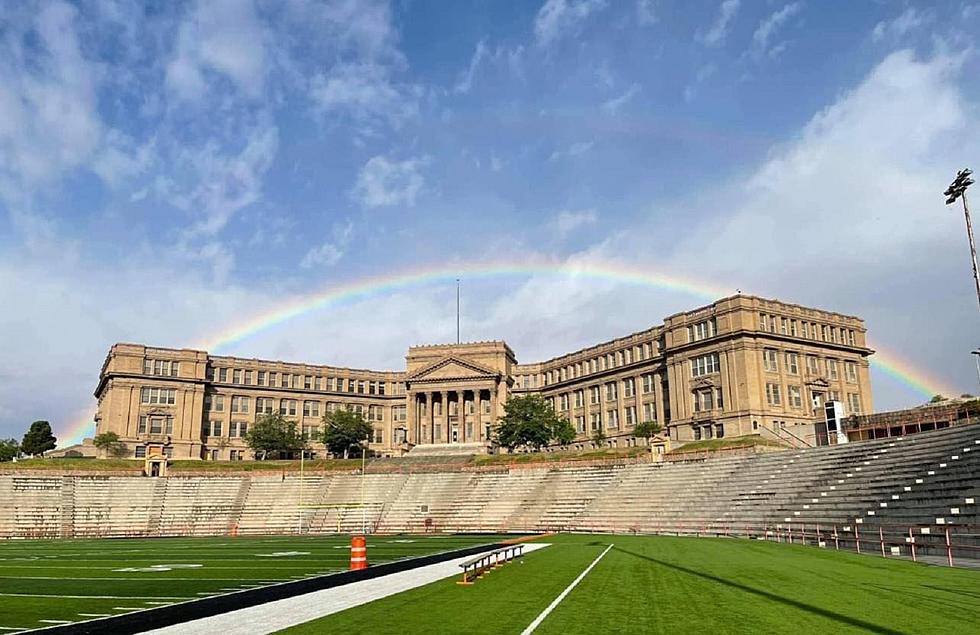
[(741, 365)]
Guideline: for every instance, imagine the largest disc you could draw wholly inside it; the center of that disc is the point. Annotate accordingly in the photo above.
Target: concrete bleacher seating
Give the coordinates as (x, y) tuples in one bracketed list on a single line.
[(923, 483)]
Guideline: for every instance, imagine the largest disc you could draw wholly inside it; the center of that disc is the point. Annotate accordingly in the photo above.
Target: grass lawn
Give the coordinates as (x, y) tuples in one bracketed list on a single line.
[(721, 444), (651, 584), (74, 580)]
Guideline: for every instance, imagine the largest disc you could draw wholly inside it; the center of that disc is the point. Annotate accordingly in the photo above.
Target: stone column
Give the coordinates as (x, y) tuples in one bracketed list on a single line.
[(412, 416), (460, 417), (429, 415), (477, 421), (494, 415)]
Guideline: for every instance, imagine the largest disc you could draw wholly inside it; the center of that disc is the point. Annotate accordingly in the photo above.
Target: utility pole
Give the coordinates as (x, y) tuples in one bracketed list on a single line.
[(957, 189)]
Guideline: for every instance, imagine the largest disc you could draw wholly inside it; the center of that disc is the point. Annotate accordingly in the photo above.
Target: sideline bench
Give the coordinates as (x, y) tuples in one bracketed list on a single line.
[(475, 567)]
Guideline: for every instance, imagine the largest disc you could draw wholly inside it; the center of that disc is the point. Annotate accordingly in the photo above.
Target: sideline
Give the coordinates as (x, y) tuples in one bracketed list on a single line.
[(277, 615), (561, 596)]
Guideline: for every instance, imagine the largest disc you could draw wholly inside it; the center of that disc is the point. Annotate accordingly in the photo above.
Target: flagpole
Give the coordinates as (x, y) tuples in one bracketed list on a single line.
[(457, 310)]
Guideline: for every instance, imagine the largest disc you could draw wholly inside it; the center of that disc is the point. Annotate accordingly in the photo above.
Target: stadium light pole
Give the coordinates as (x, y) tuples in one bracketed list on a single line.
[(957, 190)]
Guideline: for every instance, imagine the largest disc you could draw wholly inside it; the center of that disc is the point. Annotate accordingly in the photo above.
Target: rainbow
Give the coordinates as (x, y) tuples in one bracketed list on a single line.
[(890, 364)]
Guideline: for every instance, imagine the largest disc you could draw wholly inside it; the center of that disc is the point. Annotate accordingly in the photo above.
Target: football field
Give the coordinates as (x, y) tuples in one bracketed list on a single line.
[(50, 582), (656, 584)]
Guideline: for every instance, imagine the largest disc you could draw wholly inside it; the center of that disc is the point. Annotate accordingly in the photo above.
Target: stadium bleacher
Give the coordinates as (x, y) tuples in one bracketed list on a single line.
[(926, 481)]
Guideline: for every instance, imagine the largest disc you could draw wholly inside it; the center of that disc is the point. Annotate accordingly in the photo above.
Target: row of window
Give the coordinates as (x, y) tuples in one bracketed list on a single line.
[(273, 379), (611, 390), (795, 397), (290, 407), (154, 396), (705, 365), (612, 418), (438, 409), (707, 399), (807, 330), (236, 429), (770, 361), (160, 367), (602, 362), (155, 424), (140, 452), (702, 330)]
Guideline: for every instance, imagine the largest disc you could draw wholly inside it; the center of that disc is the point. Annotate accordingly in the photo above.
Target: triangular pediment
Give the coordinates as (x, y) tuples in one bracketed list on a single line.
[(702, 382), (452, 368), (819, 383)]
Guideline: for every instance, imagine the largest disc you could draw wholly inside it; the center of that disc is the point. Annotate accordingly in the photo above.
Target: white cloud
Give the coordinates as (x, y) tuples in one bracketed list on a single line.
[(223, 37), (557, 18), (223, 182), (330, 252), (567, 221), (385, 182), (49, 121), (719, 29), (365, 92), (465, 81), (769, 27), (900, 26), (646, 12), (576, 149), (613, 105)]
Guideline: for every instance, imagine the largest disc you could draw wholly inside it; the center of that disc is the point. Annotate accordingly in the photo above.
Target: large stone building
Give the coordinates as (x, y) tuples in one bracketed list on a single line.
[(742, 365)]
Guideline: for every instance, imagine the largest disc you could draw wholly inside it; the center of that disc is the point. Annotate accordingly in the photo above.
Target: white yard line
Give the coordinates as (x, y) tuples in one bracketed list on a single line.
[(93, 597), (561, 596), (275, 616)]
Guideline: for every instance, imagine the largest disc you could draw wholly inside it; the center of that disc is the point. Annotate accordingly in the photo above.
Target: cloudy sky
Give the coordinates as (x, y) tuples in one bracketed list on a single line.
[(169, 170)]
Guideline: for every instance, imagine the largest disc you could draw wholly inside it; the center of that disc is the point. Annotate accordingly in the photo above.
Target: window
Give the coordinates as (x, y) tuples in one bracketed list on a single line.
[(399, 413), (630, 416), (697, 433), (311, 408), (360, 387), (579, 398), (812, 366), (308, 382), (160, 367), (142, 425), (580, 424), (140, 452), (261, 378), (705, 365), (784, 326), (611, 391), (236, 376), (612, 419), (162, 396), (770, 360), (381, 387), (238, 429), (850, 337), (236, 455), (287, 407), (273, 379), (650, 411), (850, 372), (763, 322), (704, 399), (648, 386), (211, 429), (854, 403), (832, 369), (594, 395), (702, 330), (223, 375), (793, 363), (835, 395), (284, 381), (248, 377), (595, 421), (379, 435), (795, 397), (263, 405), (806, 330), (239, 405), (214, 403), (629, 387), (792, 328), (773, 397), (719, 430)]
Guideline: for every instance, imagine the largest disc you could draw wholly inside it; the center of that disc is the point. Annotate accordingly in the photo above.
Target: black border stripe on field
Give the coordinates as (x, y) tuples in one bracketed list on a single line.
[(171, 614)]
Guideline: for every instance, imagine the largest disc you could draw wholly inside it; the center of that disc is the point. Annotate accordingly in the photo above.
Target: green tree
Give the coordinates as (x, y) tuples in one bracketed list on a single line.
[(598, 437), (647, 430), (8, 449), (273, 433), (109, 442), (343, 430), (937, 399), (38, 439), (530, 421)]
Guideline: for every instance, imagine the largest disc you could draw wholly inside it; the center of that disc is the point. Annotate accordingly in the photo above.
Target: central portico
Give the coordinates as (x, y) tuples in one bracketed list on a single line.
[(456, 391)]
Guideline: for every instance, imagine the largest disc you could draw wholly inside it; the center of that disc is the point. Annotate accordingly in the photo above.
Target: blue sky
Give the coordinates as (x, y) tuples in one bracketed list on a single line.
[(167, 169)]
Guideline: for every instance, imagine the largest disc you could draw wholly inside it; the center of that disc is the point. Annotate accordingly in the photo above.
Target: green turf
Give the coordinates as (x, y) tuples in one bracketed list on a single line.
[(61, 579), (683, 585)]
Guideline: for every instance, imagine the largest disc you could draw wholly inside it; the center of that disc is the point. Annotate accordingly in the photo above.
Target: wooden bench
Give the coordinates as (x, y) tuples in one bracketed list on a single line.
[(475, 567)]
